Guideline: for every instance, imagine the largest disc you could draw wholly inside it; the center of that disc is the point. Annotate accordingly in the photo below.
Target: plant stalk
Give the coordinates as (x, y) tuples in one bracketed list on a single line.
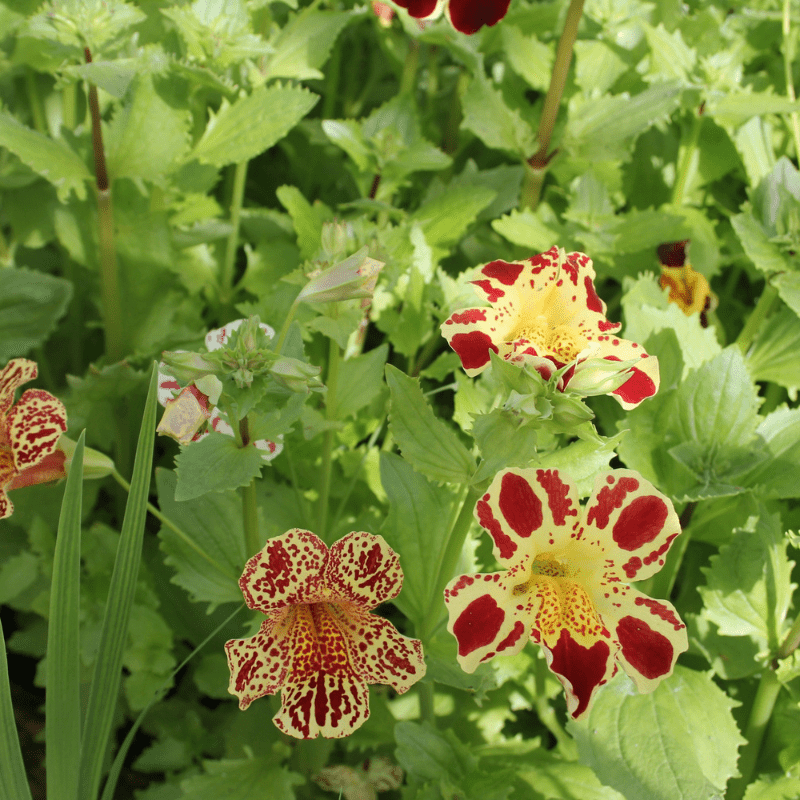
[(788, 57), (327, 448), (686, 161), (537, 163), (232, 245), (764, 307)]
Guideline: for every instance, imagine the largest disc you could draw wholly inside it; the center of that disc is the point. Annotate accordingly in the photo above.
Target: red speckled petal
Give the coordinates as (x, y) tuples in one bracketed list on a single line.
[(35, 425), (269, 450), (288, 570), (331, 705), (6, 506), (418, 8), (184, 415), (14, 374), (378, 653), (650, 633), (167, 387), (486, 617), (527, 511), (217, 337), (7, 473), (50, 468), (469, 16), (364, 570), (632, 523)]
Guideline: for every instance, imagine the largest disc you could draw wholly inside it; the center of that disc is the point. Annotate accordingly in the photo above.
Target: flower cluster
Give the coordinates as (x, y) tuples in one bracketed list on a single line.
[(188, 408), (564, 581), (467, 16), (544, 312), (319, 645), (29, 433)]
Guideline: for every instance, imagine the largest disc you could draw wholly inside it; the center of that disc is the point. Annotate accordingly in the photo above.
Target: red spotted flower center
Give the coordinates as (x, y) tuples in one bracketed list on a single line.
[(563, 342)]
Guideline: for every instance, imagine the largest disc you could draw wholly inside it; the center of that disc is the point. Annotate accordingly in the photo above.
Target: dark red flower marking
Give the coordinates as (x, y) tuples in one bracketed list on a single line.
[(503, 271), (478, 624), (583, 667), (471, 315), (637, 388), (558, 500), (513, 637), (608, 499), (647, 651), (473, 348), (640, 522), (593, 302), (660, 610), (493, 293), (505, 544), (468, 16)]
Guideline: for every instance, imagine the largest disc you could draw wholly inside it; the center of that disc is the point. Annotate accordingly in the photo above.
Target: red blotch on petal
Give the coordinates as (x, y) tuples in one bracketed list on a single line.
[(609, 326), (520, 507), (469, 316), (478, 624), (513, 637), (502, 271), (473, 348), (593, 302), (608, 499), (649, 652), (640, 522), (468, 16), (493, 294), (557, 495), (637, 388), (505, 544), (632, 566), (418, 8), (661, 611), (583, 667)]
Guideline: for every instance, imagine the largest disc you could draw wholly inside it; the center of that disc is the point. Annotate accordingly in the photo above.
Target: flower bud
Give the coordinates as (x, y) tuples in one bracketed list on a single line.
[(296, 375), (185, 415), (352, 278)]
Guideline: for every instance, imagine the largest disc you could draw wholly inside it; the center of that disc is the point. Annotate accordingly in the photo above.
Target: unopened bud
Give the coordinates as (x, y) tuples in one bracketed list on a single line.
[(352, 278)]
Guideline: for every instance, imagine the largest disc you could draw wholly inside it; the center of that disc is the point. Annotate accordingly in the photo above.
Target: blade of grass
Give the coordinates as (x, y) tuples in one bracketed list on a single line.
[(13, 783), (107, 671), (119, 760), (63, 699)]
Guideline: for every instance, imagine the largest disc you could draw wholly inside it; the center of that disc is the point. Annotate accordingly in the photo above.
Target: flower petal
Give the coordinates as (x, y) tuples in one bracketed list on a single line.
[(167, 387), (527, 511), (469, 16), (418, 8), (485, 616), (378, 653), (35, 424), (14, 374), (364, 570), (632, 523), (287, 570), (184, 415), (470, 334), (331, 705), (217, 337), (650, 633)]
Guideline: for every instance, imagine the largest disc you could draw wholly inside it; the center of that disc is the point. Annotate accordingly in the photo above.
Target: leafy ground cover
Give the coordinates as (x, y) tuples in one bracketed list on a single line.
[(422, 377)]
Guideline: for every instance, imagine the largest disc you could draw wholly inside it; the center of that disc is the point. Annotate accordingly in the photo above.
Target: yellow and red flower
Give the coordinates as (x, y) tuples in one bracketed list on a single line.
[(563, 585), (319, 645), (187, 409), (29, 432), (467, 16), (545, 312), (688, 289)]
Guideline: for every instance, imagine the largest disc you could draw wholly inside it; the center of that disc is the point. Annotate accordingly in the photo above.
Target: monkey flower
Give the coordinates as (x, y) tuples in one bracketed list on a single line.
[(688, 289), (187, 409), (466, 16), (563, 585), (29, 431), (319, 645), (545, 313)]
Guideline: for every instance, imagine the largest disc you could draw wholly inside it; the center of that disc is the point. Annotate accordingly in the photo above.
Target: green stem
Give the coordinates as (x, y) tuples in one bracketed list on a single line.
[(286, 323), (409, 77), (447, 566), (425, 694), (69, 106), (35, 100), (252, 538), (760, 713), (791, 642), (763, 309), (788, 57), (327, 449), (232, 245), (184, 537), (534, 176), (334, 71), (686, 161)]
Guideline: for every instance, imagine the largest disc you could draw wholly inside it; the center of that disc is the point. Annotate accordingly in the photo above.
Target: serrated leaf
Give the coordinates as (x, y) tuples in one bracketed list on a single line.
[(347, 134), (788, 286), (749, 589), (778, 476), (734, 109), (503, 442), (779, 787), (31, 303), (252, 124), (678, 743), (148, 137), (773, 356), (208, 551), (307, 219), (528, 230), (558, 779), (493, 122), (51, 158), (304, 45), (528, 56), (360, 380), (446, 217), (766, 255), (215, 464), (243, 779), (425, 441), (430, 754)]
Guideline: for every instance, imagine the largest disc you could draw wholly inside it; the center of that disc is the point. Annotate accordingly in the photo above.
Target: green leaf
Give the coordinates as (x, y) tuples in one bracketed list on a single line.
[(678, 743), (766, 255), (417, 528), (735, 109), (360, 381), (215, 464), (307, 219), (749, 589), (50, 158), (243, 779), (773, 356), (63, 698), (529, 57), (581, 461), (31, 303), (304, 45), (114, 77), (347, 135), (107, 672), (558, 779), (429, 445), (528, 230), (493, 122), (778, 476), (148, 137), (445, 218), (731, 657), (779, 787), (431, 754), (207, 550), (252, 124), (670, 57), (503, 442), (788, 286), (643, 230), (13, 780)]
